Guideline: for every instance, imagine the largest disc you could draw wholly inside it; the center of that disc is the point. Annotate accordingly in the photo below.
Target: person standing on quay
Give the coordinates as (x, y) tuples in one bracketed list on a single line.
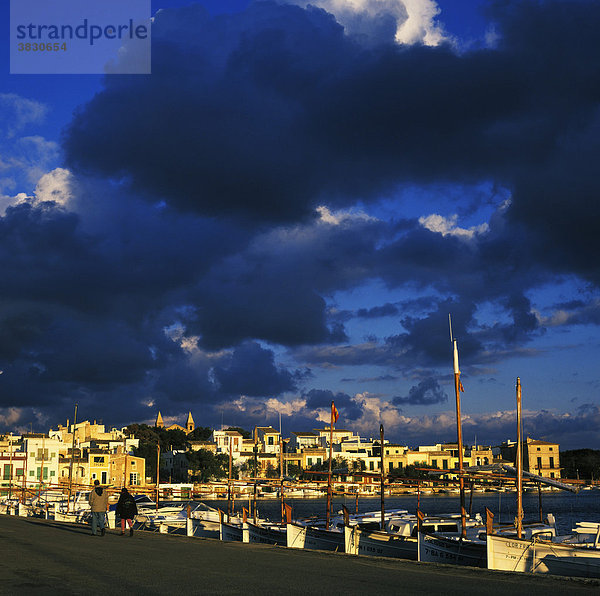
[(98, 500), (126, 510)]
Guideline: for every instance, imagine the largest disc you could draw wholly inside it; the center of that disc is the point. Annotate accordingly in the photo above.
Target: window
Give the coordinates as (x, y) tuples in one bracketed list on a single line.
[(52, 472), (99, 460), (133, 478), (434, 463), (539, 463), (371, 465), (391, 466), (19, 471), (271, 441), (551, 462), (549, 448), (539, 449), (309, 461), (445, 464), (31, 473)]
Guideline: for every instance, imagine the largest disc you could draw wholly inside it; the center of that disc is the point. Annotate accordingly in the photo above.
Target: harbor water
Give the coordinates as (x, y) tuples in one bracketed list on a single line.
[(567, 508)]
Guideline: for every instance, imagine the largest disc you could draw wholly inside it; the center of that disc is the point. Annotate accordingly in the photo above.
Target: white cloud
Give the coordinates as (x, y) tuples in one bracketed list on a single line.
[(415, 19), (57, 186), (17, 112), (446, 226), (10, 416), (336, 218)]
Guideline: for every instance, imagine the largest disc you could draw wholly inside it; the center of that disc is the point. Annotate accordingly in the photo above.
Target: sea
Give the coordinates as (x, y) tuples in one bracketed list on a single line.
[(567, 508)]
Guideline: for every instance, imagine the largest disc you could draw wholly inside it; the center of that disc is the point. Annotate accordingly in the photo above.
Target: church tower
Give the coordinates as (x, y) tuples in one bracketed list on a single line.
[(159, 422), (190, 425)]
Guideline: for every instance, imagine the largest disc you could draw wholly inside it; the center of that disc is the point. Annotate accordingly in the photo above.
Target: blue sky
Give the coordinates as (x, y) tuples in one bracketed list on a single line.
[(288, 208)]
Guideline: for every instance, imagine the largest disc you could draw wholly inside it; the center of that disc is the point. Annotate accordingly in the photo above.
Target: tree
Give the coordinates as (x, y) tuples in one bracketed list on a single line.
[(246, 434), (582, 463), (200, 433), (206, 466)]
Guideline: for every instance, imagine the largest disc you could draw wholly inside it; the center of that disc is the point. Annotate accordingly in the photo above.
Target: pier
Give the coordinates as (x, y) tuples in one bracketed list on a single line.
[(47, 557)]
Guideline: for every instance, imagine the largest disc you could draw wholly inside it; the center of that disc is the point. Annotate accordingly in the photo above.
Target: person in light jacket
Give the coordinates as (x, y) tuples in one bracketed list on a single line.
[(98, 500), (126, 510)]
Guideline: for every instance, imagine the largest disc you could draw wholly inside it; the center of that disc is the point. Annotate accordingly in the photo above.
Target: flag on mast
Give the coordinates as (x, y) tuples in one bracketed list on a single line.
[(334, 413)]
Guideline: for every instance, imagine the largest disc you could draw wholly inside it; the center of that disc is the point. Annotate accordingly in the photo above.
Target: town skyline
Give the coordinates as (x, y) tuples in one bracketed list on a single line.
[(285, 212)]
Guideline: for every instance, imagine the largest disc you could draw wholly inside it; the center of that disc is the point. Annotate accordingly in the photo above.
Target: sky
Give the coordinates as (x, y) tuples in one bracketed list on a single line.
[(285, 212)]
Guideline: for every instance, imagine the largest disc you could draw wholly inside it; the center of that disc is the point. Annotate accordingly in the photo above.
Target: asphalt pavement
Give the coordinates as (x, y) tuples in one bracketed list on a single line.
[(46, 557)]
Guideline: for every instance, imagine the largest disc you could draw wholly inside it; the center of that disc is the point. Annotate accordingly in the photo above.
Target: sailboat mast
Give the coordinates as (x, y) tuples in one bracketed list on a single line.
[(519, 463), (329, 487), (457, 388), (382, 478), (71, 462)]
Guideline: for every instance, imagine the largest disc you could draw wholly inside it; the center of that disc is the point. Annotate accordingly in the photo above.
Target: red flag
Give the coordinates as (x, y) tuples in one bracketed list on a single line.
[(460, 386), (334, 413)]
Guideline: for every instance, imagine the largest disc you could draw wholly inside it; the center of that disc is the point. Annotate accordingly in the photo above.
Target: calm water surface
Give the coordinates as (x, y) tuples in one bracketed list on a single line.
[(568, 508)]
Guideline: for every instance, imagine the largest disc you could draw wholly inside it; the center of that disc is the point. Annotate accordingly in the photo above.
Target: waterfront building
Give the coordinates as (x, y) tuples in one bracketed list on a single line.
[(207, 445), (174, 464), (80, 475), (539, 457), (127, 470), (269, 439), (42, 458), (303, 440), (13, 467), (338, 435), (227, 440)]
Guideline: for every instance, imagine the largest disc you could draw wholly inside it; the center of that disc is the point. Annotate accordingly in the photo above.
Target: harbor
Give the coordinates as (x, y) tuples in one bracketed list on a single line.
[(47, 557)]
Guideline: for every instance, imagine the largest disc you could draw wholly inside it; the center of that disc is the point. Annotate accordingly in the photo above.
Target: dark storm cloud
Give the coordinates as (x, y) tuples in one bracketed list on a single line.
[(267, 111), (251, 370), (349, 408), (261, 116), (374, 312), (426, 393)]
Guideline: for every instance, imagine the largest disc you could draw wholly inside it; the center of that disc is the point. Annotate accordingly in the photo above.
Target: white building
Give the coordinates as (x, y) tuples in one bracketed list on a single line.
[(42, 458)]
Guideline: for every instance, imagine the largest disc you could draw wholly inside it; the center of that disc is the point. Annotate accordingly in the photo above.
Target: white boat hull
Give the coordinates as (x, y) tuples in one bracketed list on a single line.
[(376, 543), (230, 533), (299, 536), (254, 533), (438, 549), (512, 554)]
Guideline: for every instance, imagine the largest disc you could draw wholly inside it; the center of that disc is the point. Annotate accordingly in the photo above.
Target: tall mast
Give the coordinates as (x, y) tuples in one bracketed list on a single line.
[(329, 491), (519, 463), (72, 458), (382, 479), (255, 470), (457, 389)]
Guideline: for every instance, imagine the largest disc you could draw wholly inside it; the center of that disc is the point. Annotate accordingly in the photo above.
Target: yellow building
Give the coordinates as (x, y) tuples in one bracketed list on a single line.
[(99, 464), (127, 470), (541, 458)]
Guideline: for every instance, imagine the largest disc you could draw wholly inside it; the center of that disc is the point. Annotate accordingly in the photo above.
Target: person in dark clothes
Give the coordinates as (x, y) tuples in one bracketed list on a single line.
[(126, 510)]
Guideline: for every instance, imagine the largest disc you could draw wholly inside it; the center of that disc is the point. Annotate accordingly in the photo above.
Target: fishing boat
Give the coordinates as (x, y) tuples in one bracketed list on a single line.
[(264, 533), (456, 551), (310, 537), (230, 532), (543, 556)]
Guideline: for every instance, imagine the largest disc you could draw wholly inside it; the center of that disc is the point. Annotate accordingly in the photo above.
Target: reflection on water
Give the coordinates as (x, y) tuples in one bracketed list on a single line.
[(568, 508)]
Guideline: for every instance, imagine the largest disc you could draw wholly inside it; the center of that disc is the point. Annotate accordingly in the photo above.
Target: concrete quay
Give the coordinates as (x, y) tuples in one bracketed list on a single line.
[(46, 557)]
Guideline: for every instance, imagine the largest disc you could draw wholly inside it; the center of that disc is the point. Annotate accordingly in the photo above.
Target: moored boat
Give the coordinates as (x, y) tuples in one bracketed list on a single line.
[(543, 556)]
